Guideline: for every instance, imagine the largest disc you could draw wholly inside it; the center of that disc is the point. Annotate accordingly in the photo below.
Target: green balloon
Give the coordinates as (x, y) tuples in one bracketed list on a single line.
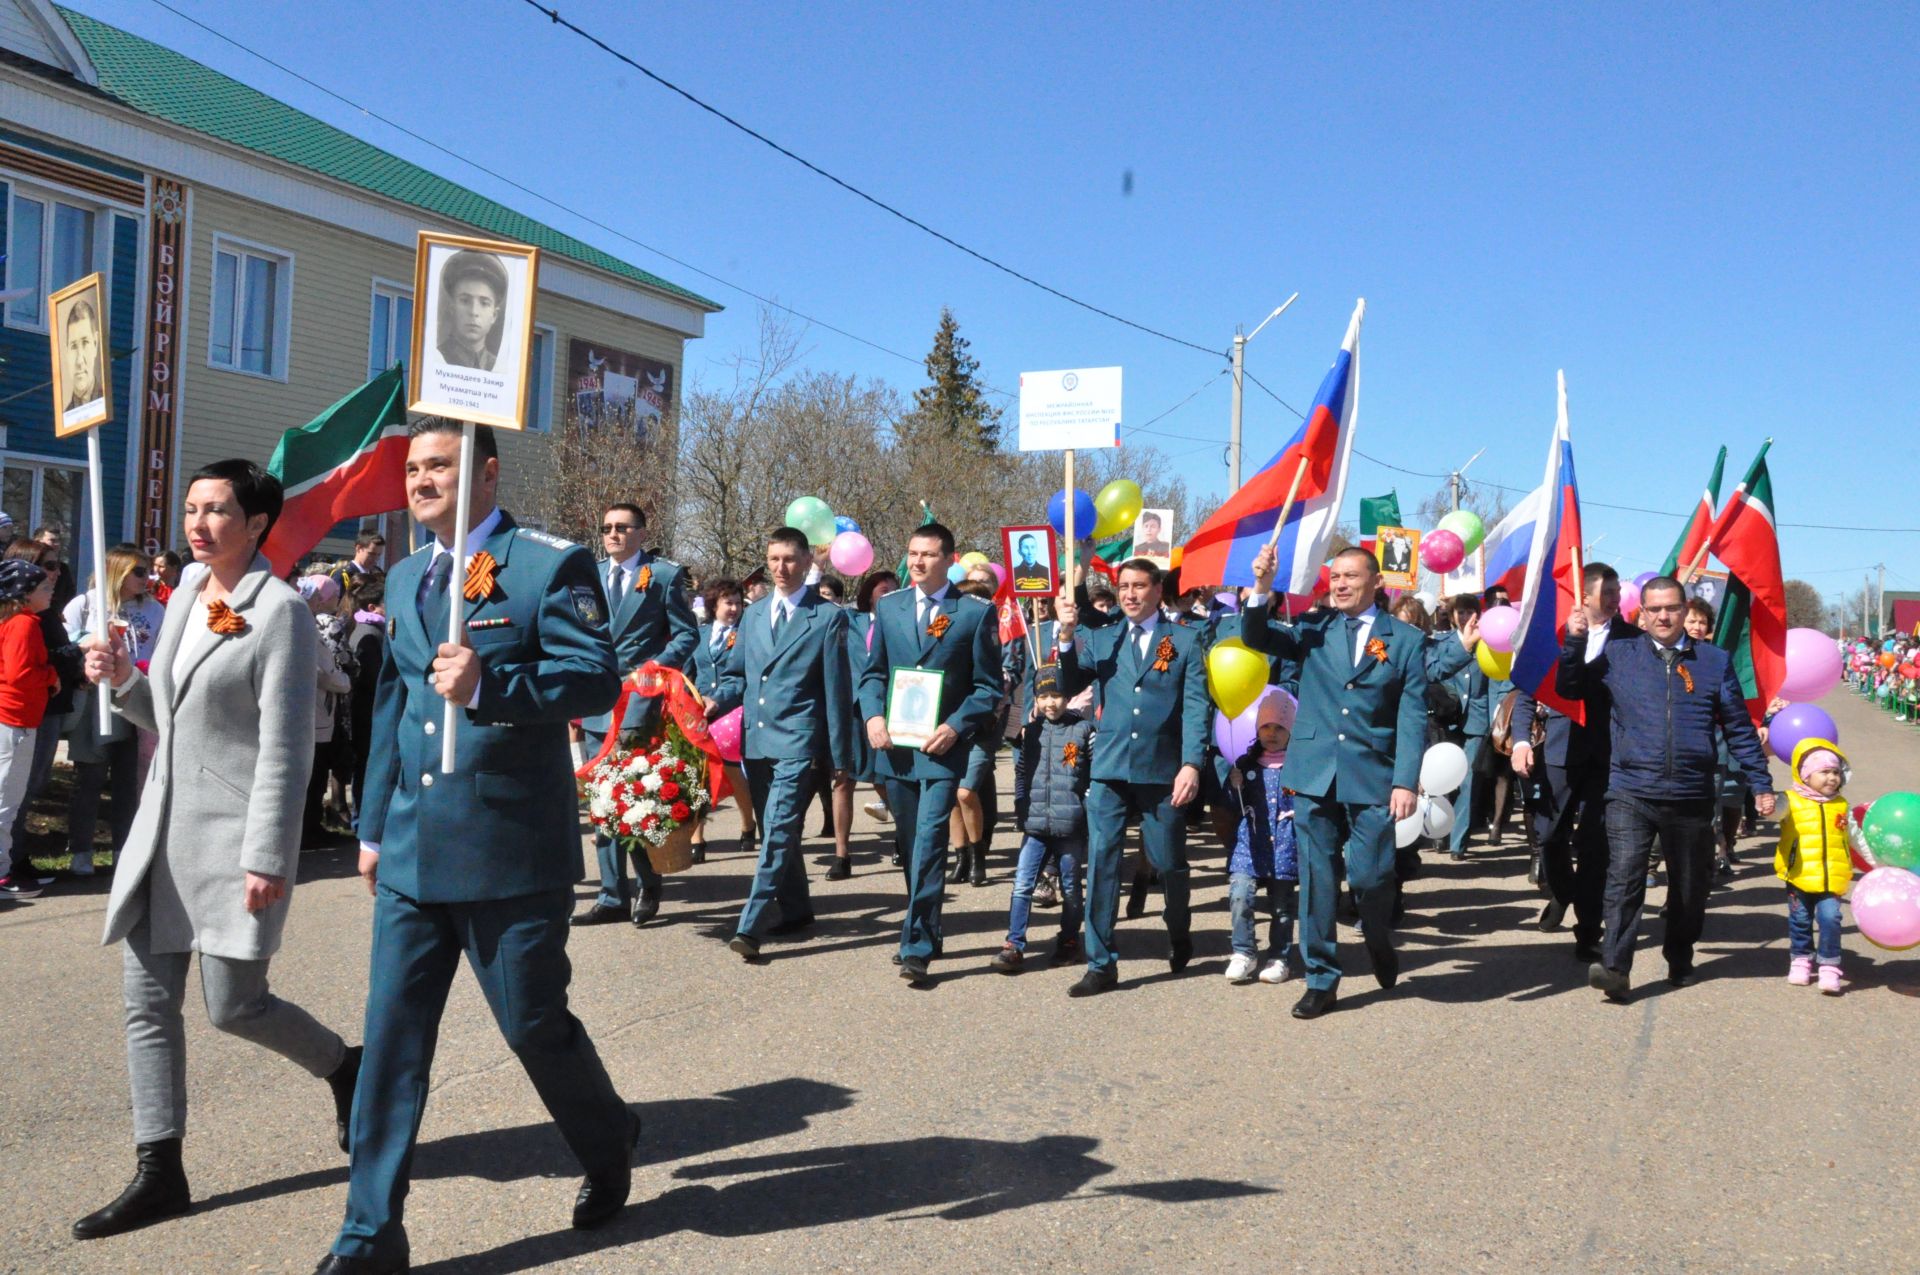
[(1892, 830), (811, 516), (1465, 524)]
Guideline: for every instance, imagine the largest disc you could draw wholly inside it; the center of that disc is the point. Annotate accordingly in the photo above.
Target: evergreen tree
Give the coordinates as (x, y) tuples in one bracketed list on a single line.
[(954, 400)]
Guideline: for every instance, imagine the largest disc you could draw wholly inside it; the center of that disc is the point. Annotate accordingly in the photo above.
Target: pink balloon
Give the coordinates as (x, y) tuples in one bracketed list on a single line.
[(726, 730), (850, 553), (1814, 666), (1629, 599), (1498, 626), (999, 574), (1441, 551), (1886, 907)]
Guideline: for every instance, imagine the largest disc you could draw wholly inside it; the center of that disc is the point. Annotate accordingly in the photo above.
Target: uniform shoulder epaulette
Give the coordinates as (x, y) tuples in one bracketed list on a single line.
[(979, 602), (548, 539)]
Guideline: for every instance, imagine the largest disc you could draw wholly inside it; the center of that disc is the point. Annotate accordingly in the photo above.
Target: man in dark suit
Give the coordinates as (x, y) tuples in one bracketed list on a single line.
[(789, 668), (1354, 762), (1149, 680), (481, 860), (650, 616), (1569, 774), (929, 626)]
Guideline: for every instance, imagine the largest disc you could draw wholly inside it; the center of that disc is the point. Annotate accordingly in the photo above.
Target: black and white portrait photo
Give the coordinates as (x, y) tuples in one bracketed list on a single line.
[(79, 332), (1031, 561), (1153, 537), (473, 328)]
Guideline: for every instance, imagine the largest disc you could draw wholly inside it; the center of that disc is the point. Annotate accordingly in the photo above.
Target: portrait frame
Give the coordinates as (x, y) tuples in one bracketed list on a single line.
[(1046, 583), (72, 419), (913, 705), (447, 377), (1158, 552), (1397, 550)]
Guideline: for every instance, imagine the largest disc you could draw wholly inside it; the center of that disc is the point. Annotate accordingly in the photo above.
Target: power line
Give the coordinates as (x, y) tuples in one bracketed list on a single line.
[(553, 15), (1270, 394), (1185, 438)]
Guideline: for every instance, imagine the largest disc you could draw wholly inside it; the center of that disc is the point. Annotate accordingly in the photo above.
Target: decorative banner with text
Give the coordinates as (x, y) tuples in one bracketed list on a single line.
[(1071, 409)]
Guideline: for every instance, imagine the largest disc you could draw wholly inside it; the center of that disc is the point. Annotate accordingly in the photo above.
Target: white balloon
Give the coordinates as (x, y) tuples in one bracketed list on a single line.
[(1407, 831), (1436, 817), (1443, 769)]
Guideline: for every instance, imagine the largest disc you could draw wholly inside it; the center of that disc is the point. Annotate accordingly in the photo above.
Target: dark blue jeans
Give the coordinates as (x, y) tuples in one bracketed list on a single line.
[(1803, 909), (1684, 830), (1280, 899), (1033, 852)]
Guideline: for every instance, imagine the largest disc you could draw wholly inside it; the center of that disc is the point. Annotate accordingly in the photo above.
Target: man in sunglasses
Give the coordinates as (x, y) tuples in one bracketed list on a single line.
[(651, 617)]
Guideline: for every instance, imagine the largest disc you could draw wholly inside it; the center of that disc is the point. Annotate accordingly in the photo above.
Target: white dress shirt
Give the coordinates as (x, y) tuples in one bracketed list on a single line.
[(783, 605)]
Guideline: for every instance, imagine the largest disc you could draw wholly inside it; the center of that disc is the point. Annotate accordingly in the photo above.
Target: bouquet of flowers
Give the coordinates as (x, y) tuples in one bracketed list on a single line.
[(645, 796)]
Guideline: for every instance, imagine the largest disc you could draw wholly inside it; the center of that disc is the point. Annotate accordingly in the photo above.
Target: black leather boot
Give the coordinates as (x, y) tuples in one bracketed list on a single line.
[(962, 865), (980, 864), (158, 1191)]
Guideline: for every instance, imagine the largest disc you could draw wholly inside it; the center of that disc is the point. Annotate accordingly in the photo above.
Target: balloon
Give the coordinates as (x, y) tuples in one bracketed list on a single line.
[(1640, 581), (1857, 848), (1465, 524), (1888, 659), (1436, 817), (1441, 551), (1443, 769), (956, 573), (810, 516), (1235, 735), (850, 553), (1236, 676), (1497, 665), (999, 576), (1814, 666), (1629, 600), (726, 731), (1886, 907), (1116, 508), (973, 558), (1498, 627), (843, 523), (1227, 600), (1796, 722), (1892, 829), (1407, 831), (1084, 516), (1426, 599)]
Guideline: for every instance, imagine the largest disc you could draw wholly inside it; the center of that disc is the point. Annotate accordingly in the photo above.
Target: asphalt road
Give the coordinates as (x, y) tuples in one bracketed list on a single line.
[(815, 1113)]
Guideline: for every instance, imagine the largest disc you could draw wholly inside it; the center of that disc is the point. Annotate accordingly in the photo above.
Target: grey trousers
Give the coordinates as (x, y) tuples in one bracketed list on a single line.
[(238, 1003)]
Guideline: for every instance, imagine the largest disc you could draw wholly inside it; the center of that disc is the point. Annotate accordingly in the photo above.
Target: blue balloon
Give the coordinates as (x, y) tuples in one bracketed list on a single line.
[(844, 523), (1084, 515), (956, 573)]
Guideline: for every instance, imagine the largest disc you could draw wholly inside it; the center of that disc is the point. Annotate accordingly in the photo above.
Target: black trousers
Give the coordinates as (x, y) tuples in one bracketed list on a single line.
[(1684, 830), (1569, 821)]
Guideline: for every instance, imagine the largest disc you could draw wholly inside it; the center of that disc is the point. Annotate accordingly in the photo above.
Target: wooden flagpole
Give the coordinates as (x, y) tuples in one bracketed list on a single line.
[(1066, 506), (102, 627), (1287, 508), (1692, 569), (457, 585)]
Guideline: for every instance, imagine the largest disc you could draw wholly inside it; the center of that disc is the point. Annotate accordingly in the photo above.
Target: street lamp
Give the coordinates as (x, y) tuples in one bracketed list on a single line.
[(1240, 390)]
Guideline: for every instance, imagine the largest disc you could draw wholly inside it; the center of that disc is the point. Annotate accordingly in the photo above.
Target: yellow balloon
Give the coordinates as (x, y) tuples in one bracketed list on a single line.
[(1117, 506), (1497, 665), (1236, 676), (973, 559)]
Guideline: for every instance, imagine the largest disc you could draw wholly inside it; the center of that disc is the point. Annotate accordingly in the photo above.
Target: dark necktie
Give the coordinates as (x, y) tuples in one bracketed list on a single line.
[(1139, 639), (616, 587), (1668, 654), (433, 592), (780, 610), (1353, 640)]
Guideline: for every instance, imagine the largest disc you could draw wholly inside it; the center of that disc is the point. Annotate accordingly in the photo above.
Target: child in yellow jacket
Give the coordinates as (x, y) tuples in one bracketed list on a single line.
[(1812, 859)]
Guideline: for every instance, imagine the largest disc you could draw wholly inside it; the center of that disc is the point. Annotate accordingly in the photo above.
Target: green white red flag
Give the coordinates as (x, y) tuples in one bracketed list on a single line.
[(1752, 624), (348, 462), (1686, 555)]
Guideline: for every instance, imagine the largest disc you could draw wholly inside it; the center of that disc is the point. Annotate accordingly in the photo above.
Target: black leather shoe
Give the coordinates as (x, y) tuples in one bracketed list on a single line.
[(1094, 982), (342, 1081), (598, 914), (1679, 977), (602, 1195), (1386, 964), (913, 969), (896, 860), (645, 908), (1610, 982), (1313, 1002), (750, 843), (747, 946), (700, 853), (980, 864), (962, 864), (1552, 915), (794, 926), (334, 1264), (842, 869), (1586, 953), (158, 1191), (1180, 951)]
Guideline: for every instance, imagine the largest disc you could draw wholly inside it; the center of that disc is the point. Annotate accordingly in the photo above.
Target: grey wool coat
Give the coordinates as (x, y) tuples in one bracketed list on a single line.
[(229, 777)]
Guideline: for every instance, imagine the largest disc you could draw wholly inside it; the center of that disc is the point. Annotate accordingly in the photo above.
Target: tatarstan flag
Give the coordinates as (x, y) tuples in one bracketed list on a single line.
[(348, 462), (1686, 555), (1752, 625)]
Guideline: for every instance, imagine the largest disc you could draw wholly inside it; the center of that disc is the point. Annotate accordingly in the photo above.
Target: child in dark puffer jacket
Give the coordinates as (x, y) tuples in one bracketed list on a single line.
[(1049, 802)]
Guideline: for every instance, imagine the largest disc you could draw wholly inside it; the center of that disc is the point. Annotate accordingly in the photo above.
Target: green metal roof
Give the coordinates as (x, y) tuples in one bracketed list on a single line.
[(159, 82)]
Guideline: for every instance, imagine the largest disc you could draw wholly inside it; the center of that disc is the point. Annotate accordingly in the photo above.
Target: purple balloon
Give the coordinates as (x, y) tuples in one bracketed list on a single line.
[(1235, 735), (1640, 581), (1814, 665), (1796, 722)]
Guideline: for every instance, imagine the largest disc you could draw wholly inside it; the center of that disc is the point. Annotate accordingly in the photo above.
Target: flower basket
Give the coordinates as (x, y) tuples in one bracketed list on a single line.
[(675, 854), (650, 799)]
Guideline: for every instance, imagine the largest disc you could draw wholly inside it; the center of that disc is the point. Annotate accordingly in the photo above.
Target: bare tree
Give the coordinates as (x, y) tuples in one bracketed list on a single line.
[(1806, 609), (590, 467)]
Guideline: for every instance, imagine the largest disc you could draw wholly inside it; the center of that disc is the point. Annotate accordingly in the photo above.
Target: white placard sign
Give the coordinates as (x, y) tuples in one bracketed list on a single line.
[(1068, 409)]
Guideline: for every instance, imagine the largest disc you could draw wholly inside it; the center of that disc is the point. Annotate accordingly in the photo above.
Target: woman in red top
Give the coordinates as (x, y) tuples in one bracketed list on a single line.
[(27, 682)]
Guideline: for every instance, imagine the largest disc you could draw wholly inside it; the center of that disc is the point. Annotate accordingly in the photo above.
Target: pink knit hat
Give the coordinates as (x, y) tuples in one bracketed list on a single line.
[(1815, 760), (1278, 706)]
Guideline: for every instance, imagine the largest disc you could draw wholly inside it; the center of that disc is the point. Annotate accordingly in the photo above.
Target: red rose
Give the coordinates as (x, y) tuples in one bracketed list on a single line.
[(669, 790), (681, 811), (650, 822)]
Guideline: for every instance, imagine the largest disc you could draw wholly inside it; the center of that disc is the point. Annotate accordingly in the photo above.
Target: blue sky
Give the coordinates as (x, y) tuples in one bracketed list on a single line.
[(1706, 216)]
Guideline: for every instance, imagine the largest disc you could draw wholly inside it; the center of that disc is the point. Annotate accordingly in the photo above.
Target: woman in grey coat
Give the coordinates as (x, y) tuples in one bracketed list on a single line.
[(209, 865)]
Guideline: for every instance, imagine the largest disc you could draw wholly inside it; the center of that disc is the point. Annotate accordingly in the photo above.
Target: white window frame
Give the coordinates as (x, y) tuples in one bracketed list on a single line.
[(35, 514), (393, 290), (540, 411), (47, 197), (282, 304)]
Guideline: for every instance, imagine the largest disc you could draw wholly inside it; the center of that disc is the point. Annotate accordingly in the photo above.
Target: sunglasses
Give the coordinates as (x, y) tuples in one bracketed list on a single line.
[(142, 572), (617, 528)]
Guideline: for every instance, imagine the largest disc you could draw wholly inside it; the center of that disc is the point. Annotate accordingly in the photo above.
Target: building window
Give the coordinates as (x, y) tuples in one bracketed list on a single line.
[(540, 380), (390, 332), (49, 245), (36, 493), (252, 307)]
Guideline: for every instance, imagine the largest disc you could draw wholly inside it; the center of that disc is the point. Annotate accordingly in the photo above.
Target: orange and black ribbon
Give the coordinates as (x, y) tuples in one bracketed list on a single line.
[(224, 620), (938, 629), (1163, 655), (480, 576)]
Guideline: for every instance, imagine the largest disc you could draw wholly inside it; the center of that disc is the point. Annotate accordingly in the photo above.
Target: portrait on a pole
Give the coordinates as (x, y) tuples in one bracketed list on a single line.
[(82, 388), (473, 329), (1153, 537), (1031, 561)]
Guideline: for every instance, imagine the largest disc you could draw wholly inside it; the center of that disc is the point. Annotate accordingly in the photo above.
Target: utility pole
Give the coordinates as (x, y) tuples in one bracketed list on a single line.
[(1880, 602), (1240, 391), (1457, 479)]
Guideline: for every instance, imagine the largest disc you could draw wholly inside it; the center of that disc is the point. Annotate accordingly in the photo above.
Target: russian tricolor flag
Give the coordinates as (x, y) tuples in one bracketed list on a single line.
[(1312, 467), (1552, 585), (1510, 544)]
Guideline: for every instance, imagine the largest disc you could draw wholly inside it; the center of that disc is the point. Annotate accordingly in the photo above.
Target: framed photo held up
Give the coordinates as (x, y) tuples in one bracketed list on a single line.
[(1153, 537), (1398, 549), (1033, 567), (472, 329), (913, 705), (82, 380)]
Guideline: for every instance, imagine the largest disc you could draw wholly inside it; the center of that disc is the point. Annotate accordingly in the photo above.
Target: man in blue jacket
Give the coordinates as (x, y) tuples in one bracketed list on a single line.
[(1670, 695), (1354, 762), (481, 860), (1149, 679), (789, 669), (929, 626), (650, 617)]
